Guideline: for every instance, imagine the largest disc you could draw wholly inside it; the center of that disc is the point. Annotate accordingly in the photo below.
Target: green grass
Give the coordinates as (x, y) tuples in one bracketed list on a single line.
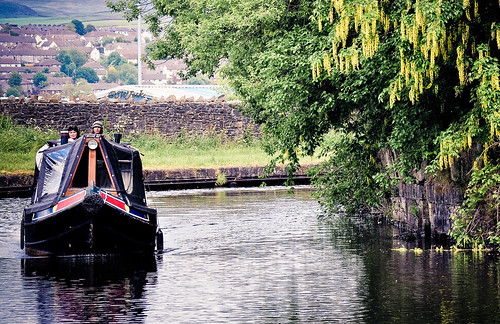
[(201, 152), (18, 146)]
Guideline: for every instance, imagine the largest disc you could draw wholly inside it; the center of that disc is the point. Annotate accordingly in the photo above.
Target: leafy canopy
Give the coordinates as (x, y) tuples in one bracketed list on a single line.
[(87, 74), (71, 60), (40, 80), (418, 79), (15, 79)]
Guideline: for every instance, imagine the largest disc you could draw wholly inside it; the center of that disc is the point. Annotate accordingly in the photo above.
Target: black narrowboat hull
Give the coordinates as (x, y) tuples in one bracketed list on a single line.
[(90, 222)]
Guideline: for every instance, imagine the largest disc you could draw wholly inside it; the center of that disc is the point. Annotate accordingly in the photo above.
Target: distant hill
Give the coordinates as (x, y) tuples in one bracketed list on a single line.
[(68, 8), (14, 10)]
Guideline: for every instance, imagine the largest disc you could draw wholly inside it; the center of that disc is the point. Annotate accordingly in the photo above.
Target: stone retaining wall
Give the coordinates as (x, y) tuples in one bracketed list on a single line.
[(425, 206), (168, 118)]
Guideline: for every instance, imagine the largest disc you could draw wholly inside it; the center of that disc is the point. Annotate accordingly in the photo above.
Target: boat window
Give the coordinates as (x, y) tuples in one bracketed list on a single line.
[(103, 180), (80, 180), (126, 171), (53, 164)]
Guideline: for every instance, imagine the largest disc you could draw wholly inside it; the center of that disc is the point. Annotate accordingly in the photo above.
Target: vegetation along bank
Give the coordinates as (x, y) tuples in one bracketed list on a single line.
[(416, 81)]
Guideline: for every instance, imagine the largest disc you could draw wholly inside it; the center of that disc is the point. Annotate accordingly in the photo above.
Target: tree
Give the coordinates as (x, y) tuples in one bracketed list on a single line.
[(81, 86), (198, 80), (89, 28), (115, 59), (127, 73), (12, 92), (71, 60), (79, 29), (86, 73), (40, 80), (112, 74), (417, 78), (15, 79)]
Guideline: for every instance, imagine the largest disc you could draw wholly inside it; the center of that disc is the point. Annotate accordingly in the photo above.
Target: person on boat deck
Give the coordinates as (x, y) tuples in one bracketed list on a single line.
[(73, 133), (97, 127), (103, 179)]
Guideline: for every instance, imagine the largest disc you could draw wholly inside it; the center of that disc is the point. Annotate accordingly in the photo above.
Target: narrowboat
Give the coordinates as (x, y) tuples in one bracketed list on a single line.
[(89, 198)]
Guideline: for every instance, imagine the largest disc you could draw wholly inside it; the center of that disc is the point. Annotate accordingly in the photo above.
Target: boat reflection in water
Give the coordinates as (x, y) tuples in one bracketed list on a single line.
[(93, 288)]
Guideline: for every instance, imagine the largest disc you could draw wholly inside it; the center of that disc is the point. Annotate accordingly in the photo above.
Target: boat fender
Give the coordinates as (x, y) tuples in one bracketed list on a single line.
[(22, 233), (159, 240), (92, 203)]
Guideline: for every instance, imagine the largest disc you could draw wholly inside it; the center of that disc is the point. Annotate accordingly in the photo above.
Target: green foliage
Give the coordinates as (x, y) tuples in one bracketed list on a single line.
[(40, 79), (89, 28), (351, 169), (79, 29), (18, 145), (198, 80), (15, 138), (111, 75), (477, 221), (15, 79), (71, 60), (106, 41), (115, 59), (12, 92), (86, 73), (81, 86), (127, 73), (417, 78), (221, 179), (119, 69)]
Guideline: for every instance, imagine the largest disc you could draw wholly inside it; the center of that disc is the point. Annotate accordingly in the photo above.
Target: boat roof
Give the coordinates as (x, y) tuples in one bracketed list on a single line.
[(59, 164)]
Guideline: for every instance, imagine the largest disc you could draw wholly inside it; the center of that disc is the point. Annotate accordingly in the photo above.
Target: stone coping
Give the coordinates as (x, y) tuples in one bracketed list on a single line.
[(19, 185)]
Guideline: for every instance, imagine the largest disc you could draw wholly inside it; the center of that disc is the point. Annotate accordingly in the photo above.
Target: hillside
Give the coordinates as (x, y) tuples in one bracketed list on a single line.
[(56, 8), (14, 10)]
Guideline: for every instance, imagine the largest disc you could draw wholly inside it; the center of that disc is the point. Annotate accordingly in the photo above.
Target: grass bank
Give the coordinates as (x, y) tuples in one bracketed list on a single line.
[(19, 144)]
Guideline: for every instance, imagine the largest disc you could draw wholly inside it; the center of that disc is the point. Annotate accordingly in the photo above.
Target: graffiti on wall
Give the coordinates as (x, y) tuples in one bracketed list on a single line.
[(127, 94)]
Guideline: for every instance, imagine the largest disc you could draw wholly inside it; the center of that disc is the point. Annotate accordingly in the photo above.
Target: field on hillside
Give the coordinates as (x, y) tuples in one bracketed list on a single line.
[(56, 12), (69, 8), (64, 20)]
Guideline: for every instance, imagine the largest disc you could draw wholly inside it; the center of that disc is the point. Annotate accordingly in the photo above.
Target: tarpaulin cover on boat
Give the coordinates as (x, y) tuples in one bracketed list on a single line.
[(61, 164)]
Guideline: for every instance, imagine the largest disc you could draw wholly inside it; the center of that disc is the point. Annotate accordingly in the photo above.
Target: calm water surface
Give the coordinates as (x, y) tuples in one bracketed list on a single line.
[(249, 256)]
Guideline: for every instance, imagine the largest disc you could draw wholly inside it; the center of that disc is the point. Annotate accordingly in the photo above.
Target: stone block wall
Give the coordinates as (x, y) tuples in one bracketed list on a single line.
[(425, 206), (168, 118)]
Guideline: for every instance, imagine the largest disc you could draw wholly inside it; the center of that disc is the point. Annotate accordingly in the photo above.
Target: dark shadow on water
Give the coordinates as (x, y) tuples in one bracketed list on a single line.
[(92, 288)]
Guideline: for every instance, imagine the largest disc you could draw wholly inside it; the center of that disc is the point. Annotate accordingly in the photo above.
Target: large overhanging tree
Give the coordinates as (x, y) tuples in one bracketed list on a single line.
[(419, 79)]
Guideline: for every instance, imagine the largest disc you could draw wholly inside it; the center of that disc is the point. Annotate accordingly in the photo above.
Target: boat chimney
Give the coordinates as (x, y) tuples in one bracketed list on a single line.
[(117, 137), (64, 137)]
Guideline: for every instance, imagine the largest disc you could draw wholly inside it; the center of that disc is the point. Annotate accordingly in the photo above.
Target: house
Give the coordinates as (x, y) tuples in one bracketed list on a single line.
[(9, 62), (51, 89), (9, 41), (95, 54), (48, 63), (102, 86), (58, 80), (171, 69), (27, 54)]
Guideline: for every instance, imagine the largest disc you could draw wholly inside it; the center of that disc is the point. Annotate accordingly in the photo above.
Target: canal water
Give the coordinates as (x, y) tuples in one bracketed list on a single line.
[(258, 255)]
